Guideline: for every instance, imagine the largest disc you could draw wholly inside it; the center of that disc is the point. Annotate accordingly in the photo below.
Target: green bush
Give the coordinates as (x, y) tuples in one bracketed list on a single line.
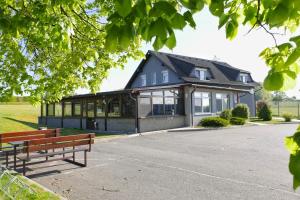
[(214, 122), (226, 114), (287, 117), (259, 105), (237, 121), (241, 111), (265, 113)]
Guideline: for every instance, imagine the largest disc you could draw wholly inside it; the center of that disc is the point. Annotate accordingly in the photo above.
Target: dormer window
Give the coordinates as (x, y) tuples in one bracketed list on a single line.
[(201, 74), (244, 78), (143, 80), (165, 76)]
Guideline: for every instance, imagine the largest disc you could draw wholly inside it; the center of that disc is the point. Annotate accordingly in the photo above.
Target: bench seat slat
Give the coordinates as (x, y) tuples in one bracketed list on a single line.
[(24, 157)]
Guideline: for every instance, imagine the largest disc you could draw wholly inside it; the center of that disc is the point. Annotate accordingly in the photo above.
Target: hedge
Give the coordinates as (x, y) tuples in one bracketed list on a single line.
[(214, 122)]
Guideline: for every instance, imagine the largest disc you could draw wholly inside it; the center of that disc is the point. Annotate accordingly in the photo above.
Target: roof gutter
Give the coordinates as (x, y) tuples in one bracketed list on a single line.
[(223, 88)]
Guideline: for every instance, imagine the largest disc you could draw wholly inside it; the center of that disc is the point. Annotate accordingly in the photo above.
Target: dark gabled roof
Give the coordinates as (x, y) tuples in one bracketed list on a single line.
[(222, 73)]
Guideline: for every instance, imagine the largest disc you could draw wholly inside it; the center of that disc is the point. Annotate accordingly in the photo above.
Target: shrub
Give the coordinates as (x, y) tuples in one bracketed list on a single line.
[(214, 122), (287, 117), (226, 114), (259, 105), (241, 110), (237, 121), (265, 113)]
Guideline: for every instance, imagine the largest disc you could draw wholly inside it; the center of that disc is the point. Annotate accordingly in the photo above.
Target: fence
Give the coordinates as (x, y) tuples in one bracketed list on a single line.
[(286, 106)]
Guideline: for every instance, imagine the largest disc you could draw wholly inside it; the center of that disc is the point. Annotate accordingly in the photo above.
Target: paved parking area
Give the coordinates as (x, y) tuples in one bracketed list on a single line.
[(240, 163)]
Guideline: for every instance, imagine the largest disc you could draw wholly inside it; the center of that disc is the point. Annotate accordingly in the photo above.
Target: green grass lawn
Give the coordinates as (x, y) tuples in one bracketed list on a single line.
[(23, 117), (273, 121)]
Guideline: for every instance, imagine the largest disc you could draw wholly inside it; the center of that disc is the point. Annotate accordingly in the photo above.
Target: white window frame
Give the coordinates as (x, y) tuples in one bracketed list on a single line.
[(201, 97), (165, 76), (143, 80), (153, 81), (200, 72), (243, 78), (223, 96)]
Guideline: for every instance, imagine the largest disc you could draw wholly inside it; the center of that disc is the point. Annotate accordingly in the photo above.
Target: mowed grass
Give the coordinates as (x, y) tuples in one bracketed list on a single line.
[(285, 107), (24, 117), (18, 117)]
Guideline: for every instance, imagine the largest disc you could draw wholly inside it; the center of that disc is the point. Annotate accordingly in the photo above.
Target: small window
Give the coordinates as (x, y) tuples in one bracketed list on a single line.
[(100, 108), (58, 110), (68, 109), (201, 74), (244, 78), (143, 80), (77, 109), (165, 76), (153, 81), (51, 109), (90, 109)]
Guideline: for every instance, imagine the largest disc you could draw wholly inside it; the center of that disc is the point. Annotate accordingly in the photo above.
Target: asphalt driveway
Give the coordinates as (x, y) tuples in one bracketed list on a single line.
[(240, 163)]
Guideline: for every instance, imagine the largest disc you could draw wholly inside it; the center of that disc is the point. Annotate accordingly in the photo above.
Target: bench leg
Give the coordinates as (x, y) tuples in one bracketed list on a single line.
[(63, 150), (6, 157), (15, 157), (73, 155), (46, 156), (85, 159), (24, 167)]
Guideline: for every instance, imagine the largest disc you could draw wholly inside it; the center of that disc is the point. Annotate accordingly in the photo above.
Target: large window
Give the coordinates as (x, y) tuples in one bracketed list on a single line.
[(51, 109), (128, 106), (202, 103), (114, 108), (153, 78), (167, 102), (68, 109), (77, 109), (100, 108), (90, 109), (58, 110), (222, 102)]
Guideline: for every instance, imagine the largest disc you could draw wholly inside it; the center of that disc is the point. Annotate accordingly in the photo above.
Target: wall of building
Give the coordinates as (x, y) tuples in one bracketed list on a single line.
[(154, 65), (54, 122), (71, 123), (161, 123), (121, 124), (249, 99)]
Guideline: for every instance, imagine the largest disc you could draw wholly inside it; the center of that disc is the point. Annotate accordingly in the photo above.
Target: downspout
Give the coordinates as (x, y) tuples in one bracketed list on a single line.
[(136, 112), (192, 109)]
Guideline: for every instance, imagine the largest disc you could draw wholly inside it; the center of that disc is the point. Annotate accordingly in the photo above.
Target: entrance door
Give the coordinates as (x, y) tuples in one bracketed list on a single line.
[(90, 121)]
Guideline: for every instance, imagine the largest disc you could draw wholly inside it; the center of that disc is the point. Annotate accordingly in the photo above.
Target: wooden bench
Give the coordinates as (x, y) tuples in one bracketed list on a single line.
[(23, 136), (63, 145)]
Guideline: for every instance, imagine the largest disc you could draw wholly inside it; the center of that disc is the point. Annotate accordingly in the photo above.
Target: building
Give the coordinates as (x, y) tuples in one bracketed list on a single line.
[(166, 91)]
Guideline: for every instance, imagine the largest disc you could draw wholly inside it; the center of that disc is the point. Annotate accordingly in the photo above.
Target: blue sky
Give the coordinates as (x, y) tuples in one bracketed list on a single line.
[(209, 42)]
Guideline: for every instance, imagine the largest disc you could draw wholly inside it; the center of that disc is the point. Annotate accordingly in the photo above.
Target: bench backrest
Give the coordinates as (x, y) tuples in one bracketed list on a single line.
[(28, 135), (59, 142)]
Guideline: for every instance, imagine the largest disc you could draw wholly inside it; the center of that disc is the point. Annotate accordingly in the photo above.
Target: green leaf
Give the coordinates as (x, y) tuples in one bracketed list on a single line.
[(193, 5), (279, 15), (171, 41), (274, 81), (293, 57), (231, 29), (250, 13), (296, 40), (158, 44), (289, 80), (158, 28), (267, 3), (125, 36), (111, 40), (162, 7), (291, 145), (216, 7), (123, 7), (189, 18), (178, 21), (294, 166), (222, 20)]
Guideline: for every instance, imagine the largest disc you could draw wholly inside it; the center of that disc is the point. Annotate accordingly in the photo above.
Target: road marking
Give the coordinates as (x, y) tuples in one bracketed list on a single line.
[(217, 177)]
